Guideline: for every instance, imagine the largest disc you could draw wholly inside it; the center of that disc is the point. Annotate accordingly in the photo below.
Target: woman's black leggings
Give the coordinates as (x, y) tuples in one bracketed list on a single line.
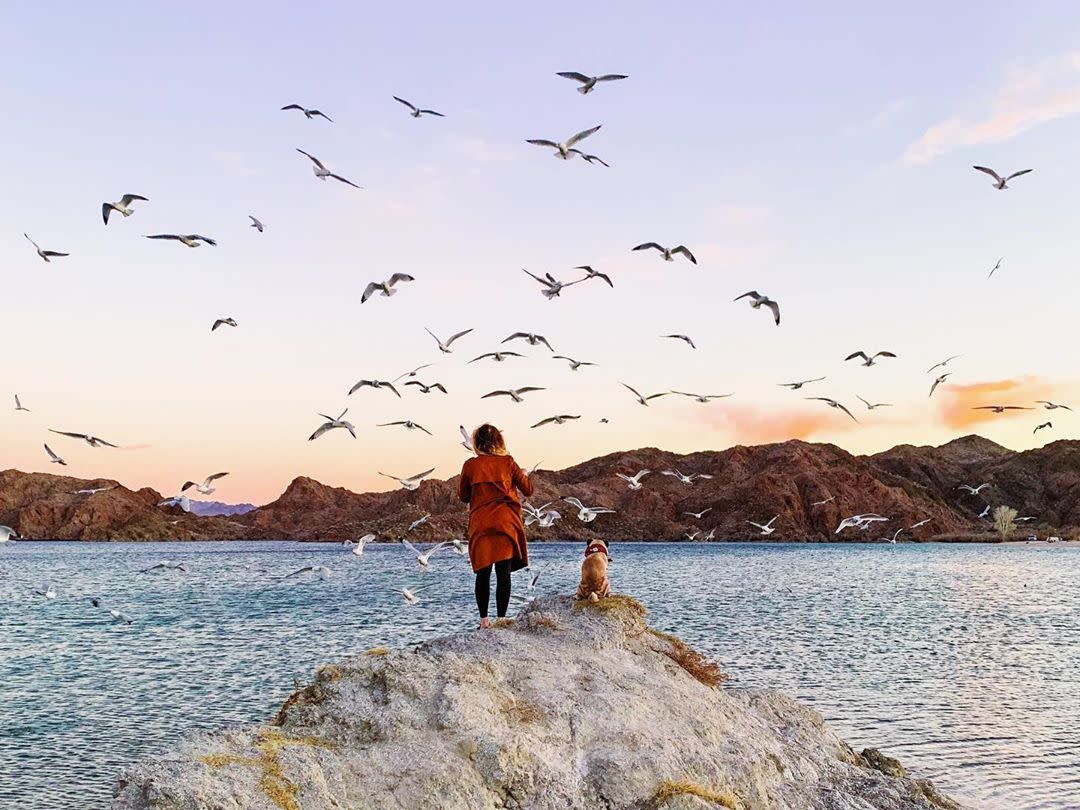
[(502, 588)]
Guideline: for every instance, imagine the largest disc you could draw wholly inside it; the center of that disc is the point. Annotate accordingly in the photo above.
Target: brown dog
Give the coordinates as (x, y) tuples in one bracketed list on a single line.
[(594, 584)]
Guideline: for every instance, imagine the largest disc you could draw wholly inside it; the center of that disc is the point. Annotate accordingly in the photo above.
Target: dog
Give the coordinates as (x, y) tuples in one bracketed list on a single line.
[(594, 584)]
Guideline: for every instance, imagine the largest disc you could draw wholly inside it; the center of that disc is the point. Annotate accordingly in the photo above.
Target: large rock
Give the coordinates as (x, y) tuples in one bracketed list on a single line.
[(571, 706)]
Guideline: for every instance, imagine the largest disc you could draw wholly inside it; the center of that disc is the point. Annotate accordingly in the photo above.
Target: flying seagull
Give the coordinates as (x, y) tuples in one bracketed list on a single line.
[(766, 528), (321, 571), (45, 591), (563, 150), (53, 458), (192, 240), (180, 501), (552, 286), (641, 399), (466, 439), (427, 389), (255, 223), (45, 254), (422, 557), (943, 363), (223, 322), (412, 373), (995, 267), (688, 480), (574, 364), (513, 393), (206, 487), (1050, 406), (832, 403), (93, 490), (634, 481), (416, 111), (555, 420), (1043, 425), (93, 441), (590, 273), (498, 357), (1000, 183), (667, 253), (830, 499), (691, 536), (122, 207), (702, 398), (757, 301), (939, 381), (684, 338), (408, 424), (307, 113), (374, 384), (985, 512), (358, 548), (413, 481), (871, 405), (588, 83), (385, 288), (1001, 408), (164, 565), (795, 386), (530, 338), (868, 360), (920, 523), (331, 423), (973, 490), (19, 405), (859, 522), (699, 515), (587, 514), (444, 346), (322, 172), (420, 521), (7, 534)]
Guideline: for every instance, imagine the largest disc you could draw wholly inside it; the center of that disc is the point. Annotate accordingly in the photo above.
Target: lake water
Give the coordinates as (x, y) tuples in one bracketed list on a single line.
[(962, 661)]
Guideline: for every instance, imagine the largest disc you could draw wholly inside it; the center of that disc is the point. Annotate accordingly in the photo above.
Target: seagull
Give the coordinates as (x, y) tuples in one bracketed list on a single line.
[(534, 578), (588, 83), (413, 481), (529, 337), (699, 515), (514, 393), (985, 512), (93, 441), (1001, 183), (180, 501), (255, 223), (410, 597), (192, 240), (995, 267), (1043, 425), (1050, 406), (691, 536), (685, 338), (223, 322), (164, 565), (460, 548), (590, 273), (320, 570), (46, 590), (427, 389), (920, 523), (417, 523), (412, 373), (416, 111), (322, 172), (45, 254), (703, 398), (1001, 408), (19, 405), (590, 159), (119, 617), (832, 403), (711, 535), (53, 458), (384, 288), (634, 481), (122, 207), (444, 346), (466, 439), (1026, 518), (7, 534), (543, 517), (896, 535), (939, 381), (587, 514), (358, 548), (795, 386), (973, 490), (685, 479), (563, 150), (574, 364), (640, 398), (331, 423), (373, 384), (868, 360), (859, 521), (422, 557), (552, 286), (668, 253), (93, 491), (944, 362), (766, 528), (206, 487), (555, 420), (830, 499), (871, 406), (408, 424), (307, 114), (757, 301)]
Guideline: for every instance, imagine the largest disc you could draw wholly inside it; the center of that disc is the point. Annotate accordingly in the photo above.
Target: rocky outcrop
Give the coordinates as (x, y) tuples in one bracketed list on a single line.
[(570, 706)]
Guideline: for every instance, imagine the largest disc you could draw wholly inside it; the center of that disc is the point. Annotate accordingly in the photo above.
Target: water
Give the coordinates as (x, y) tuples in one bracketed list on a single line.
[(963, 661)]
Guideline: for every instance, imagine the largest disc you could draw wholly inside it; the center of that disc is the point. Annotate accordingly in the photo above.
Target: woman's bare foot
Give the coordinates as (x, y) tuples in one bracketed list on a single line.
[(485, 624)]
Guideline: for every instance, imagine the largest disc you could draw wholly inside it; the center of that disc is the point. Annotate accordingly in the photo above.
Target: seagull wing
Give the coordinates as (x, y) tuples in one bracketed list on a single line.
[(369, 290), (70, 435), (408, 104), (647, 245), (215, 477), (611, 77), (573, 74), (580, 136), (128, 199), (454, 337), (990, 172), (686, 252), (752, 294), (1017, 174), (633, 391), (292, 107), (343, 180), (853, 355), (323, 428), (884, 354), (313, 159), (775, 307), (543, 422), (53, 455), (542, 142), (515, 336)]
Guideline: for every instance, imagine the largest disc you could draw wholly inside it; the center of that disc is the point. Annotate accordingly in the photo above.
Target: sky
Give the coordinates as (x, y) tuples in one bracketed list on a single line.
[(821, 156)]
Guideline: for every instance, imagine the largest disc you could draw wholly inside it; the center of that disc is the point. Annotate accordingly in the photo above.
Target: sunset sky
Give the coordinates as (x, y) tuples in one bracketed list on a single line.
[(822, 157)]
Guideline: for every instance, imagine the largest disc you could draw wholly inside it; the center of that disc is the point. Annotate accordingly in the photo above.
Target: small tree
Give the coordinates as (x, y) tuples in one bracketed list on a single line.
[(1005, 521)]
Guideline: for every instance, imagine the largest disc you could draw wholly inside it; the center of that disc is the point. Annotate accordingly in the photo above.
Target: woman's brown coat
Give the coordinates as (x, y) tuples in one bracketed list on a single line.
[(496, 530)]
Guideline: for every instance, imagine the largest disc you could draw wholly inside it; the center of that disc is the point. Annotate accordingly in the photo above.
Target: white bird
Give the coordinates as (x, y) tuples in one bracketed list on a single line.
[(331, 423), (552, 286), (832, 403), (688, 480), (1026, 518), (256, 224), (985, 512), (427, 389), (994, 269), (46, 255), (498, 357), (562, 150), (587, 514), (361, 544), (460, 548), (164, 565), (321, 571), (574, 364), (206, 487), (410, 597), (944, 362), (1000, 183), (384, 288), (180, 501), (703, 398), (896, 535), (46, 591), (546, 518), (121, 618), (711, 535), (529, 337), (122, 207), (685, 338), (691, 536), (870, 406), (416, 111), (766, 528), (413, 481), (513, 393), (590, 273), (8, 534), (642, 399), (940, 379), (420, 521), (192, 240), (408, 424), (93, 441), (830, 499), (699, 515), (588, 83), (422, 557), (412, 373), (93, 491), (1050, 406), (920, 523), (466, 439), (19, 405), (868, 360), (757, 301), (1043, 425), (308, 113), (1001, 408), (322, 172), (795, 386), (223, 322), (973, 490), (556, 420), (859, 521), (634, 481), (374, 384), (444, 345), (667, 253)]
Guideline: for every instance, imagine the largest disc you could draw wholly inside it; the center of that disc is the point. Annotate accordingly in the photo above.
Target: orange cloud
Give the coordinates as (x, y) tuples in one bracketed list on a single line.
[(957, 402), (751, 425)]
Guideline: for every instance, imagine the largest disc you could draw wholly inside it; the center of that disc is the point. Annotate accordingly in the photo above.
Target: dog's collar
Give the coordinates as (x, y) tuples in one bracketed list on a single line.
[(596, 548)]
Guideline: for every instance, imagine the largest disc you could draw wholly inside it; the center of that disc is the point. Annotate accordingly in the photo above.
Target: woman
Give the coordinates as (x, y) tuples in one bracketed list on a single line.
[(496, 531)]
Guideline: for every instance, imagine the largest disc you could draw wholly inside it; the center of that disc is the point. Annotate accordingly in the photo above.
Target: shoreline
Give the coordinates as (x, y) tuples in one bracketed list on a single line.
[(951, 541)]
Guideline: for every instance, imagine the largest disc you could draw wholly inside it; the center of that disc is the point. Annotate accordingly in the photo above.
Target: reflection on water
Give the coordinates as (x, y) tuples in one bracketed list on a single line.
[(961, 661)]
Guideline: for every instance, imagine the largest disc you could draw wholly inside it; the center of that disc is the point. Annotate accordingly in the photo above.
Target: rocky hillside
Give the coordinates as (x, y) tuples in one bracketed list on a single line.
[(907, 484), (573, 707)]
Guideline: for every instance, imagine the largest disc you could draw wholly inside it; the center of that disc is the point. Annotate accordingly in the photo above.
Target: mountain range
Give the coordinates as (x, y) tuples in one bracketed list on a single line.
[(907, 484)]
